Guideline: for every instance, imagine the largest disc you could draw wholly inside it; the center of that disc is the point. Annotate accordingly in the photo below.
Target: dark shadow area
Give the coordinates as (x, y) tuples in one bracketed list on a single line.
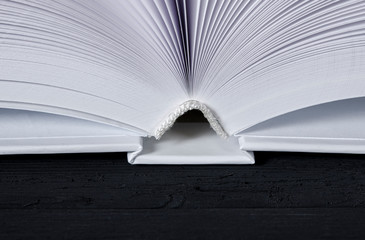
[(192, 116)]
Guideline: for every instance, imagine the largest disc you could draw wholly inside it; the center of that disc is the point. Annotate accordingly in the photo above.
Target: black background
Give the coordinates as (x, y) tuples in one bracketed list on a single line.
[(93, 196)]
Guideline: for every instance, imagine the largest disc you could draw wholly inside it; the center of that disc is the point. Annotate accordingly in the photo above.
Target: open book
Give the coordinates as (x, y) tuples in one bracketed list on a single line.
[(115, 75)]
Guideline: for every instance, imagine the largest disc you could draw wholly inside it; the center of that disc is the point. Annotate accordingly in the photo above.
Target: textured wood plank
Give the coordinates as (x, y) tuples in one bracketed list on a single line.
[(106, 181), (183, 224)]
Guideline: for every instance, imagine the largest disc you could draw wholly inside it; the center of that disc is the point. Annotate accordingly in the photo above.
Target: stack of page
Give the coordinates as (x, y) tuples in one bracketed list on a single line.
[(115, 75)]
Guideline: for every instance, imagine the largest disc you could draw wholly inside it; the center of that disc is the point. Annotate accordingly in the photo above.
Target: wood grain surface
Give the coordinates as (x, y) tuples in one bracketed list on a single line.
[(101, 196)]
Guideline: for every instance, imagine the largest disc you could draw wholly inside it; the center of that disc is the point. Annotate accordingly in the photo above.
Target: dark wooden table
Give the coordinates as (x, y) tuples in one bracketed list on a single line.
[(283, 196)]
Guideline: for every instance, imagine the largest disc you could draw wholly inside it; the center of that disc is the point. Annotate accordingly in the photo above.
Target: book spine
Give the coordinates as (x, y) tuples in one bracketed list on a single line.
[(181, 110)]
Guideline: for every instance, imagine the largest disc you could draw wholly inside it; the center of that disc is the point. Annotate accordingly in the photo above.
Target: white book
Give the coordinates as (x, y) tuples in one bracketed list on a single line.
[(115, 75)]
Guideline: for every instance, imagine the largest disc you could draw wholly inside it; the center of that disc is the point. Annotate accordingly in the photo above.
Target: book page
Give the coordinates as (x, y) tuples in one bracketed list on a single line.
[(254, 60), (118, 62), (132, 63)]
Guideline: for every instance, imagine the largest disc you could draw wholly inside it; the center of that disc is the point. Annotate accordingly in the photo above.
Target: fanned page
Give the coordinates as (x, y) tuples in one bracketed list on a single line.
[(132, 63), (116, 62), (254, 60)]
